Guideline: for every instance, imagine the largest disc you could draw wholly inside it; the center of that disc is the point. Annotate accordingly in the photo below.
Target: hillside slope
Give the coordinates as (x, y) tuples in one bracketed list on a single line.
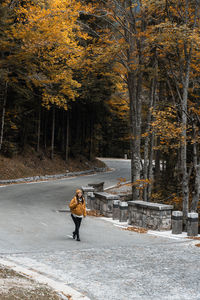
[(32, 163)]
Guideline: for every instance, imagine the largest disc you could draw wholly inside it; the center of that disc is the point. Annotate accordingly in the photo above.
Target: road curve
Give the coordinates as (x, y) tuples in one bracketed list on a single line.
[(109, 263)]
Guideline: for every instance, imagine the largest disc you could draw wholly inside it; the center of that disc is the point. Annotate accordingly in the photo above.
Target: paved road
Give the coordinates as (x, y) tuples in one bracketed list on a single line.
[(109, 263), (29, 217)]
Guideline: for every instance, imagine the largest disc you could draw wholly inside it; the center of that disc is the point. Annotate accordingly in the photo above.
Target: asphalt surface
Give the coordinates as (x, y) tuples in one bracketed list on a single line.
[(109, 263)]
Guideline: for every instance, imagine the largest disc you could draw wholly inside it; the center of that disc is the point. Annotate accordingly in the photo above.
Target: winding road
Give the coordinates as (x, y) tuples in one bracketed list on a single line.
[(109, 263)]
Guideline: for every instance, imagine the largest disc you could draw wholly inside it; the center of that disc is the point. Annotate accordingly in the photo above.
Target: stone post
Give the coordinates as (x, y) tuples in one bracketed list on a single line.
[(116, 212), (192, 224), (123, 209), (90, 200), (98, 187), (86, 190), (104, 203), (177, 222)]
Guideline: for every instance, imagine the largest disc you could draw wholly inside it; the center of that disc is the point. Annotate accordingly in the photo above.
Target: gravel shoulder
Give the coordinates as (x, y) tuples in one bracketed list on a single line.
[(16, 286)]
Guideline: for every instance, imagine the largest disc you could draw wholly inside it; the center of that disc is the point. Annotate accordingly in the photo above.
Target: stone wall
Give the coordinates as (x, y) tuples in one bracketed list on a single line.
[(154, 216), (98, 187), (104, 203)]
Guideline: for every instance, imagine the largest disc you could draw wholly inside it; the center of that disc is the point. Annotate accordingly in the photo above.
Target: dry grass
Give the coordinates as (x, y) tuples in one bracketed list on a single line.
[(31, 163), (193, 238), (15, 286), (197, 245), (94, 213), (137, 229)]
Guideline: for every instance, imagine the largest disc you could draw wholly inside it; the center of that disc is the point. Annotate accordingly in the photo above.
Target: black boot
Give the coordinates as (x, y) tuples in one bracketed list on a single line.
[(74, 235), (78, 239)]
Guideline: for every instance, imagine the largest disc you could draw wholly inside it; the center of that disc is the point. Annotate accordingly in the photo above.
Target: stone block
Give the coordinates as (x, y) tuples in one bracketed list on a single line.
[(177, 222), (87, 189), (165, 224), (123, 208), (98, 187), (192, 224), (116, 212), (91, 202), (104, 203), (150, 215)]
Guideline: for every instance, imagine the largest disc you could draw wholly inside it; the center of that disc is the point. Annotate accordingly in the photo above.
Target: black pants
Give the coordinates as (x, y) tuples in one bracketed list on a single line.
[(77, 222)]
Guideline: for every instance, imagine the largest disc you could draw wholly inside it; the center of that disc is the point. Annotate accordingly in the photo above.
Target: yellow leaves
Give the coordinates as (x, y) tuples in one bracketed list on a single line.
[(146, 134), (169, 31), (194, 108), (156, 197), (137, 229), (14, 127), (121, 180), (119, 105), (167, 128), (49, 34), (54, 99), (53, 28), (141, 183)]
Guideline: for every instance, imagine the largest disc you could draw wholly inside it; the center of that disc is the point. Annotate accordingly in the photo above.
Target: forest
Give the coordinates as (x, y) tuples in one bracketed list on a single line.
[(106, 78)]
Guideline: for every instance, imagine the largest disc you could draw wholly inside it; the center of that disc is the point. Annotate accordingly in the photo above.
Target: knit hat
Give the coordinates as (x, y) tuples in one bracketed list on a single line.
[(79, 191)]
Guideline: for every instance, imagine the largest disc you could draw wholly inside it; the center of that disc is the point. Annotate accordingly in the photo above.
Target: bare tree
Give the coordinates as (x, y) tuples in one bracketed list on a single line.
[(123, 16), (3, 100)]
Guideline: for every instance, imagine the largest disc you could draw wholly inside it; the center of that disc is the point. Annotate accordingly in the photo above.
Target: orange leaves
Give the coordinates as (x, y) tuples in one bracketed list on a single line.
[(165, 126), (137, 229), (176, 200), (194, 108), (94, 213), (141, 183), (169, 130), (121, 180), (49, 35), (48, 27), (118, 103)]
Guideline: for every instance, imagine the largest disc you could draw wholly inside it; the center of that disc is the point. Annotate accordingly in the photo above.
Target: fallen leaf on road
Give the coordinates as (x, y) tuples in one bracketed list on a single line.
[(94, 213), (194, 238), (137, 229)]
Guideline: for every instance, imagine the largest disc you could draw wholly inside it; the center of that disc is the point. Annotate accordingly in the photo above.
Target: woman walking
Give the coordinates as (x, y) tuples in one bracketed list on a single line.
[(78, 211)]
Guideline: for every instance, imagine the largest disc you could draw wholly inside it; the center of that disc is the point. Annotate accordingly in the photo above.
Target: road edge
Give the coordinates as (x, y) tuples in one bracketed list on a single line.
[(53, 177), (59, 287)]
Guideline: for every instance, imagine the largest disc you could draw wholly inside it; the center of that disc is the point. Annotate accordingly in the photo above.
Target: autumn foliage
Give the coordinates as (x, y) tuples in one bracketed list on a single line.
[(97, 75)]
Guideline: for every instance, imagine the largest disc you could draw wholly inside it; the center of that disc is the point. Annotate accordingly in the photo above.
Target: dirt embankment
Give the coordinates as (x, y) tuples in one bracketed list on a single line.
[(31, 164), (15, 286)]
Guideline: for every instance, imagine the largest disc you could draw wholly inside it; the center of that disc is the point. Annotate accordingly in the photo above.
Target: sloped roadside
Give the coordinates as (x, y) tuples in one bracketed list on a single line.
[(33, 164), (15, 286), (29, 168)]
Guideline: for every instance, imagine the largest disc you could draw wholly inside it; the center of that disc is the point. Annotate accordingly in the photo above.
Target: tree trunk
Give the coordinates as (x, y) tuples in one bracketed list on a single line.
[(196, 194), (157, 161), (150, 168), (67, 139), (39, 128), (63, 130), (185, 179), (188, 48), (146, 143), (53, 132), (135, 128), (91, 139), (45, 128), (3, 101)]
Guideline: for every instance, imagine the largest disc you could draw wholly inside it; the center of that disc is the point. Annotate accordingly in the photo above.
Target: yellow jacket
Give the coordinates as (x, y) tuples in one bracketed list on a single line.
[(77, 208)]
